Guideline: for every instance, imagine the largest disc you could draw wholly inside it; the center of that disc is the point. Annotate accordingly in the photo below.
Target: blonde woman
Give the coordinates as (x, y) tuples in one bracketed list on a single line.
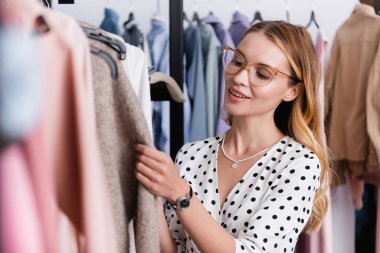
[(255, 188)]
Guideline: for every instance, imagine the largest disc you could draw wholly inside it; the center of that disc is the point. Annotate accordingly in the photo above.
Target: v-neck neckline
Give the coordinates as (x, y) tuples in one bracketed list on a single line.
[(233, 189)]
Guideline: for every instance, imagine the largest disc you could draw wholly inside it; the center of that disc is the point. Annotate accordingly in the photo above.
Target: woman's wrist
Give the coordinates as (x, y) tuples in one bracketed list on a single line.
[(181, 190)]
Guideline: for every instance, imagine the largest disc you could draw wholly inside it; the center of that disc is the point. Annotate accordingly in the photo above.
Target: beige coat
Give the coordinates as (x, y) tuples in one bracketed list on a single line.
[(353, 55), (120, 125)]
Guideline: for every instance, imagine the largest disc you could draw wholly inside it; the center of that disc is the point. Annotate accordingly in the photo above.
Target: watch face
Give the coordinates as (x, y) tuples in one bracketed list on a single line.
[(185, 203)]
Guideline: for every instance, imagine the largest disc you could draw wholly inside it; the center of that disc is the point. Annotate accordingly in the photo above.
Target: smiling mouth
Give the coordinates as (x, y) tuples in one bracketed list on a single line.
[(237, 94)]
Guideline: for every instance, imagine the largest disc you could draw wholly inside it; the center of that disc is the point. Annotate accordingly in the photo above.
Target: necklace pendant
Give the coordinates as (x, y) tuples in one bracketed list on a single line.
[(234, 165)]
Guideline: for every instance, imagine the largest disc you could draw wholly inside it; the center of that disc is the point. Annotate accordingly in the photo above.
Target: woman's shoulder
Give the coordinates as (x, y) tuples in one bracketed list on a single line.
[(197, 146), (194, 151), (295, 154)]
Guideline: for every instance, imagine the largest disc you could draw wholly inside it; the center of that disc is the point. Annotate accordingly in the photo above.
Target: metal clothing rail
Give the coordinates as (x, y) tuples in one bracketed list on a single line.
[(176, 71), (158, 91)]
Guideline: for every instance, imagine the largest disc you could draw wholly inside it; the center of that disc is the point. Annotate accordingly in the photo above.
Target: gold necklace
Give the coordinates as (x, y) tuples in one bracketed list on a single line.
[(234, 164)]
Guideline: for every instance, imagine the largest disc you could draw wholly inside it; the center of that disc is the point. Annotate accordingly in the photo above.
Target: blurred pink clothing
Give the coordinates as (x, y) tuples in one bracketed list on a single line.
[(20, 223), (64, 158)]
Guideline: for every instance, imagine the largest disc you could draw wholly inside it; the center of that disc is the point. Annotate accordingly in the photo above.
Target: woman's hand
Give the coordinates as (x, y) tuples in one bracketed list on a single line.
[(156, 171)]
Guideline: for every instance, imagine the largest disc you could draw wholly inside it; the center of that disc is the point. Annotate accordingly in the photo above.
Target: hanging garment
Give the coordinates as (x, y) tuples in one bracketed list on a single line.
[(186, 110), (365, 227), (120, 125), (133, 35), (137, 72), (343, 220), (356, 44), (224, 39), (158, 41), (110, 22), (20, 223), (321, 241), (373, 117), (239, 25), (20, 94), (373, 126), (195, 83), (136, 68), (211, 51), (67, 150)]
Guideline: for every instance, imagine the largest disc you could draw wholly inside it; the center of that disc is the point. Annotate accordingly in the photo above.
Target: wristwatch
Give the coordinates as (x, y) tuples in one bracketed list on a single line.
[(183, 203)]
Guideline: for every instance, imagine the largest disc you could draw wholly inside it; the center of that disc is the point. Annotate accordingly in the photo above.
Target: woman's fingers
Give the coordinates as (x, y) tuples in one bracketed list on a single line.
[(150, 152), (148, 172), (144, 180), (151, 163)]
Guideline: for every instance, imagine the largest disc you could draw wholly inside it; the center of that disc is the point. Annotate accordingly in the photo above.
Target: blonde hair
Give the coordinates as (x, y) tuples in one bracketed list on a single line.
[(301, 119)]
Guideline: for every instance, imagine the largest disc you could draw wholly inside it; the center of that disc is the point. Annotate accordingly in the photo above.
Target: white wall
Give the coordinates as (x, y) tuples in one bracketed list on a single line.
[(330, 14)]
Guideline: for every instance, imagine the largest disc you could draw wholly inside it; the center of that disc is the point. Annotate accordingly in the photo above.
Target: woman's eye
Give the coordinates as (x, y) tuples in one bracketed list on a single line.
[(263, 75), (237, 63)]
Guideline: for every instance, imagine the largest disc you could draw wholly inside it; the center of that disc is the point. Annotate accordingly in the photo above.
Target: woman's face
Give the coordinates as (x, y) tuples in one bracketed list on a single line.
[(258, 100)]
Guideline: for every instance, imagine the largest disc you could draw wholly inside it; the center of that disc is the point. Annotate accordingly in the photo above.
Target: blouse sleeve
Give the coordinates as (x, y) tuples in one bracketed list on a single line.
[(174, 224), (284, 212)]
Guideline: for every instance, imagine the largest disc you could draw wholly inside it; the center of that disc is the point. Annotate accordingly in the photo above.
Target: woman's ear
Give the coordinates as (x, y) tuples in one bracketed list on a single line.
[(293, 92)]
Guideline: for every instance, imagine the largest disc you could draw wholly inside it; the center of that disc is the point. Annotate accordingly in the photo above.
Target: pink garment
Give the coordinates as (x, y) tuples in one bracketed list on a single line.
[(43, 185), (357, 191), (68, 140), (20, 224), (343, 220), (321, 241)]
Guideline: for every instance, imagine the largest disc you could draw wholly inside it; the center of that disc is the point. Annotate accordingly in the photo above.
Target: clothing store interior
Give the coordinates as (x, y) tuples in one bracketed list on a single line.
[(93, 78)]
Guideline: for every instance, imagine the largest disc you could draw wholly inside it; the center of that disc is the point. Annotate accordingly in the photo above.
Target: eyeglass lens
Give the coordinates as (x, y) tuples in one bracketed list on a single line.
[(259, 75)]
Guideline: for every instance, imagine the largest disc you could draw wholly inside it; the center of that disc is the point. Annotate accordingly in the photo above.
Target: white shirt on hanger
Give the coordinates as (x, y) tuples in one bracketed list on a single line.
[(136, 67)]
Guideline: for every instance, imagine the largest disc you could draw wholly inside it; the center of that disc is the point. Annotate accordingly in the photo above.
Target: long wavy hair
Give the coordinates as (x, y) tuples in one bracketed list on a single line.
[(301, 118)]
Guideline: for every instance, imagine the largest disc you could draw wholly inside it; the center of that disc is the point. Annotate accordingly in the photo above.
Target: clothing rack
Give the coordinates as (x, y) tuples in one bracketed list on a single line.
[(158, 91)]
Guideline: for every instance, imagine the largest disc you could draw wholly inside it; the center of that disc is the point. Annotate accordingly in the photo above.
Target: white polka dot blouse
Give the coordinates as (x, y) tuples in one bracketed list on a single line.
[(266, 210)]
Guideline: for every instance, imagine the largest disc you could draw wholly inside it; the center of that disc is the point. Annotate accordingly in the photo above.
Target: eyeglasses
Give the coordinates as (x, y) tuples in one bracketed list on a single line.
[(258, 74)]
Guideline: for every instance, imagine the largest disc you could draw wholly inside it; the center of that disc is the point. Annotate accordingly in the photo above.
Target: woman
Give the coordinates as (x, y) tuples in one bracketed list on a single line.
[(256, 187)]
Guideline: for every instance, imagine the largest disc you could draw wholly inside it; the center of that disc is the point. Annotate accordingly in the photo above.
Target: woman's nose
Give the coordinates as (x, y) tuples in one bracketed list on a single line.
[(242, 77)]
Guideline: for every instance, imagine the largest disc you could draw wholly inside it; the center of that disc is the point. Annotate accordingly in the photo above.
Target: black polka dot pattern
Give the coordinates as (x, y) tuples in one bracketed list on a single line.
[(268, 207)]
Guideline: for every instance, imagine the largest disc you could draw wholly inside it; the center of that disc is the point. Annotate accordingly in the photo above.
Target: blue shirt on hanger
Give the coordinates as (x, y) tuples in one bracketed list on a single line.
[(225, 39), (195, 83), (211, 50), (110, 22), (158, 42)]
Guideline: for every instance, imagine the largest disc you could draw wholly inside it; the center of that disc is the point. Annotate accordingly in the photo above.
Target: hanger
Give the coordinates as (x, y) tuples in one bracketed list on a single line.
[(195, 15), (185, 17), (131, 15), (210, 7), (108, 59), (287, 11), (236, 6), (158, 7), (107, 4), (257, 16), (171, 85), (312, 20), (157, 13), (119, 46), (46, 2)]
